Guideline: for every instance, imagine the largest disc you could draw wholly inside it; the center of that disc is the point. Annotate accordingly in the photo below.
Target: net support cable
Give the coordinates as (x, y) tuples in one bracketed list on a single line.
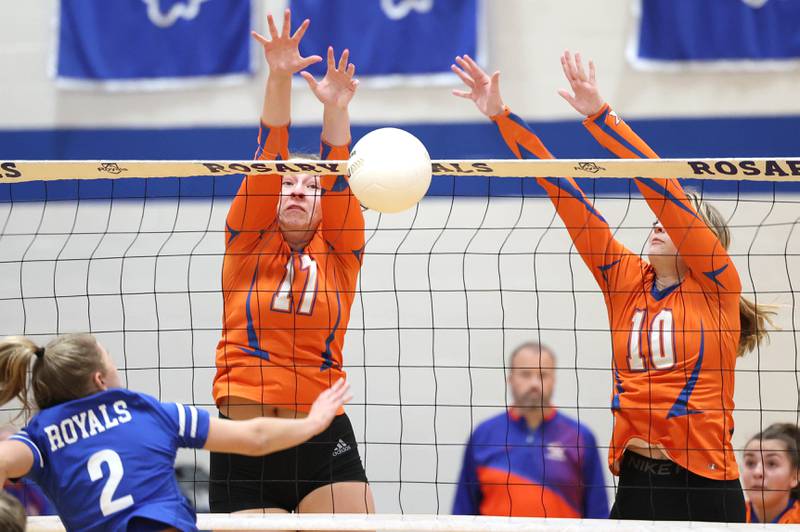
[(753, 169)]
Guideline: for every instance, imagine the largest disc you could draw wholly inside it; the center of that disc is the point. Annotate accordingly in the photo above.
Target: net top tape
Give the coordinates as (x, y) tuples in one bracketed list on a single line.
[(752, 169)]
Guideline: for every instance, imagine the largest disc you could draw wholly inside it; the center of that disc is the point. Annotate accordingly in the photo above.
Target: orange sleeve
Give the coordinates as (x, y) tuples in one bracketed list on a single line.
[(589, 230), (697, 244), (256, 203), (342, 219)]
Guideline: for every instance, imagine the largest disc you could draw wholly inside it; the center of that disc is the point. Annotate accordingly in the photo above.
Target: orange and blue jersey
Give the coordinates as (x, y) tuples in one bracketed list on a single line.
[(512, 470), (789, 515), (674, 349), (285, 312)]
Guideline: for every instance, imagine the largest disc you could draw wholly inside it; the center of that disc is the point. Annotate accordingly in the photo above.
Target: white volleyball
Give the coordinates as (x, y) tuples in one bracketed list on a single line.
[(390, 170)]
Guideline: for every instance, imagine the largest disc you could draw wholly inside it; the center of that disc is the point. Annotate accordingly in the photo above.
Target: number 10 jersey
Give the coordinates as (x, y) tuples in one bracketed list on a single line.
[(674, 349)]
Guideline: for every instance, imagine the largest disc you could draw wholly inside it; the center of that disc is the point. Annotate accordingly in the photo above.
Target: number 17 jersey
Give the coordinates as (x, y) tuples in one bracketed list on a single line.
[(108, 459)]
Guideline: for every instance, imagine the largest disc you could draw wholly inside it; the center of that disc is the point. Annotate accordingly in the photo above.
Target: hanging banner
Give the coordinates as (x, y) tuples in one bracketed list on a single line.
[(393, 41), (717, 34), (152, 44)]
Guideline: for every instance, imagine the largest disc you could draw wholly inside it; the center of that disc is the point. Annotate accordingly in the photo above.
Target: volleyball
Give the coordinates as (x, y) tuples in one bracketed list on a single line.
[(390, 170)]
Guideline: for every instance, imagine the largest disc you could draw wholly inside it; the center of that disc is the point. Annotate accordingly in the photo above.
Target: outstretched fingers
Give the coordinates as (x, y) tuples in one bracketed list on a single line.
[(263, 41), (343, 60), (273, 30), (565, 68), (470, 67), (466, 78), (495, 79), (567, 96), (287, 23), (579, 67), (339, 393), (312, 83), (331, 59), (310, 60), (473, 66), (298, 34), (570, 70)]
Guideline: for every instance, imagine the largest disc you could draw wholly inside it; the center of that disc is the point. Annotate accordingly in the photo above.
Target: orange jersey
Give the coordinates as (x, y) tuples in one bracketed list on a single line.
[(789, 515), (674, 350), (285, 313)]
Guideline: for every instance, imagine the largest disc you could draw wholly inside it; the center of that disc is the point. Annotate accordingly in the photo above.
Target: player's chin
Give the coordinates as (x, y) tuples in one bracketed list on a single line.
[(658, 251), (295, 219)]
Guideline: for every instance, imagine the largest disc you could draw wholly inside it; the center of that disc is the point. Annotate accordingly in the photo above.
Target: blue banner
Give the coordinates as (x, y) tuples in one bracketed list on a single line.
[(391, 37), (718, 32), (129, 43)]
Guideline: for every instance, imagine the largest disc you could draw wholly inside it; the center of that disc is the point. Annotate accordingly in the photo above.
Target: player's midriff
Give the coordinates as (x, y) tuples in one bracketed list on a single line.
[(241, 408)]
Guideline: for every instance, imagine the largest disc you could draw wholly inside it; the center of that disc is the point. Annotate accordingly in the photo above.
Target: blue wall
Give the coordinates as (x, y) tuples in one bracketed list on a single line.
[(683, 138)]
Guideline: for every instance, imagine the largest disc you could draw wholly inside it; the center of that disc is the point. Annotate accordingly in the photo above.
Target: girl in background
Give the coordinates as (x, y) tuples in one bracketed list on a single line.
[(770, 475)]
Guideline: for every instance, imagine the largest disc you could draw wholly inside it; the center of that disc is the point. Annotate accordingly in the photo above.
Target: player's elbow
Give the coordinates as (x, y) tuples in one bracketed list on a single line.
[(259, 438)]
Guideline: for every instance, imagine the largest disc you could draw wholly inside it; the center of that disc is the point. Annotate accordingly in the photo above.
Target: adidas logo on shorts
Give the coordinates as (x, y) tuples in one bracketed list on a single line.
[(341, 448)]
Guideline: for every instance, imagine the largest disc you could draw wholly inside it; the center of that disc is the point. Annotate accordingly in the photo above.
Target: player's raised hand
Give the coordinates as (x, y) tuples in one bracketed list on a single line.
[(338, 86), (282, 50), (585, 96), (328, 403), (484, 90)]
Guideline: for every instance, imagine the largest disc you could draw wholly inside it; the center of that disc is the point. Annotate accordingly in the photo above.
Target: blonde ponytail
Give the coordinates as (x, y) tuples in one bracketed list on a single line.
[(16, 355), (62, 371)]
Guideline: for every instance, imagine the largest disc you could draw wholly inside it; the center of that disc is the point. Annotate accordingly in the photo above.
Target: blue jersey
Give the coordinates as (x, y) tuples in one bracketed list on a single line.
[(107, 459), (510, 469)]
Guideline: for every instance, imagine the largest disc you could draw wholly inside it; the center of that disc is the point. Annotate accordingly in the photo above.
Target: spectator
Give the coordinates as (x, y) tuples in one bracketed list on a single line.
[(532, 461), (770, 475)]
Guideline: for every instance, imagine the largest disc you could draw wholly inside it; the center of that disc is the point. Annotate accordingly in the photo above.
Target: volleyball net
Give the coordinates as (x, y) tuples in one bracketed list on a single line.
[(446, 291)]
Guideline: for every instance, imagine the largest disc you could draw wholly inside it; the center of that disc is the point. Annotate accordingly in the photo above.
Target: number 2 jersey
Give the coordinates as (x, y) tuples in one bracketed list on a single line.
[(674, 350), (285, 312), (108, 459)]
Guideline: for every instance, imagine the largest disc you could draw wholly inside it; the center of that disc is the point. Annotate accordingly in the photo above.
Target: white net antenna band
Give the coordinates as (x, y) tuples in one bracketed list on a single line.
[(752, 169)]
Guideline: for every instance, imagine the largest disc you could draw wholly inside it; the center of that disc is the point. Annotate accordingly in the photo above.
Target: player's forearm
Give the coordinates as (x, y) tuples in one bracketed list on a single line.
[(615, 135), (277, 100), (336, 125), (276, 434), (517, 134), (6, 470), (16, 460)]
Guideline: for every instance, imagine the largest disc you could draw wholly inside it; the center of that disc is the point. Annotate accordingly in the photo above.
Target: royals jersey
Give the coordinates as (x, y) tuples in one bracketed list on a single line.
[(674, 350), (789, 515), (551, 471), (107, 459), (285, 312)]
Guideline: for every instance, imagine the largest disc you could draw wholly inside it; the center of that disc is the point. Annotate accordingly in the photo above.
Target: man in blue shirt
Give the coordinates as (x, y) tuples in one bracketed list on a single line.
[(532, 461)]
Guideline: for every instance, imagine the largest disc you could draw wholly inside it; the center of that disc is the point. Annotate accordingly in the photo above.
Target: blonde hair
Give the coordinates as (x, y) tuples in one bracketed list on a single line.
[(12, 514), (303, 155), (62, 370), (753, 317)]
